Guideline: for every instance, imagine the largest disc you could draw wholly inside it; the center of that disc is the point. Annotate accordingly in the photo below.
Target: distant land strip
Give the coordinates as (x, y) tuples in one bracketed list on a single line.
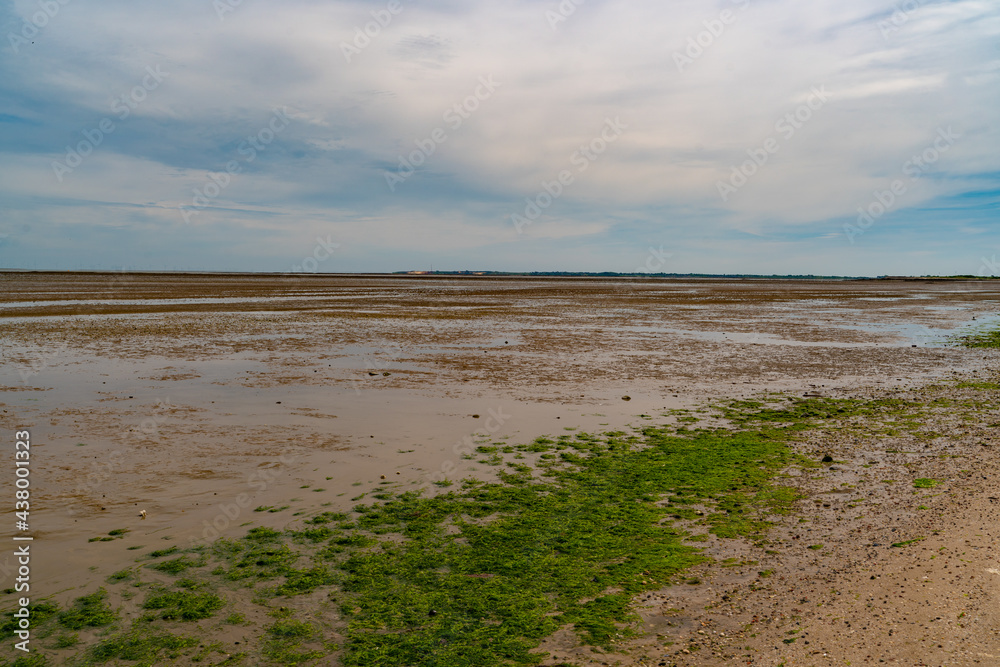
[(494, 274)]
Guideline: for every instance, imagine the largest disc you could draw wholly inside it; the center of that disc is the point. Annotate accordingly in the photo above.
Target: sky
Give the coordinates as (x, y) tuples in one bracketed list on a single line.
[(831, 137)]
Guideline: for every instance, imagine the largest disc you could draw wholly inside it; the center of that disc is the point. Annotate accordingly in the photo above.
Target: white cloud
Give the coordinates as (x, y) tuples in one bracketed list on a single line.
[(686, 130)]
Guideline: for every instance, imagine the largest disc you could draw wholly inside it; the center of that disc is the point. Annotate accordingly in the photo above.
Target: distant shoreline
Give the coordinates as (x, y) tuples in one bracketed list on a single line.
[(502, 274)]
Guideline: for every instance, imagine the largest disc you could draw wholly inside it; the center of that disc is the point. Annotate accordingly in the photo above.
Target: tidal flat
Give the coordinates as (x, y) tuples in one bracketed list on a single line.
[(387, 470)]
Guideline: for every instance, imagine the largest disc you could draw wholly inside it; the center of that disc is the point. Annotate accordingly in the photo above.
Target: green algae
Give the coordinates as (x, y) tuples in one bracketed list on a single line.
[(482, 572), (978, 338)]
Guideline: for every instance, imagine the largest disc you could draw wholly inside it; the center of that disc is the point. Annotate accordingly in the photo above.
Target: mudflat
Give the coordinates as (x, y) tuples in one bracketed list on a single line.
[(220, 404)]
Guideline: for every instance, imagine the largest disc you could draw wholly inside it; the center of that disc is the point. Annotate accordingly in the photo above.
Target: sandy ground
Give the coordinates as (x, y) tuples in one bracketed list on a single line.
[(837, 582), (181, 395)]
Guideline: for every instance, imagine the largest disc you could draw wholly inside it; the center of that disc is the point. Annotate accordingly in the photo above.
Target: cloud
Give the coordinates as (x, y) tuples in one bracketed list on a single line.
[(894, 78)]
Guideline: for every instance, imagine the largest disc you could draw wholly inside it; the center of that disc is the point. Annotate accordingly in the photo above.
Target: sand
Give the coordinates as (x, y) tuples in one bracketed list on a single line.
[(201, 397)]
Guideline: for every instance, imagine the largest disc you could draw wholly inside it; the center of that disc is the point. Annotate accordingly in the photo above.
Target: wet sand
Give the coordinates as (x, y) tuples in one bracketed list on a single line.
[(199, 398)]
